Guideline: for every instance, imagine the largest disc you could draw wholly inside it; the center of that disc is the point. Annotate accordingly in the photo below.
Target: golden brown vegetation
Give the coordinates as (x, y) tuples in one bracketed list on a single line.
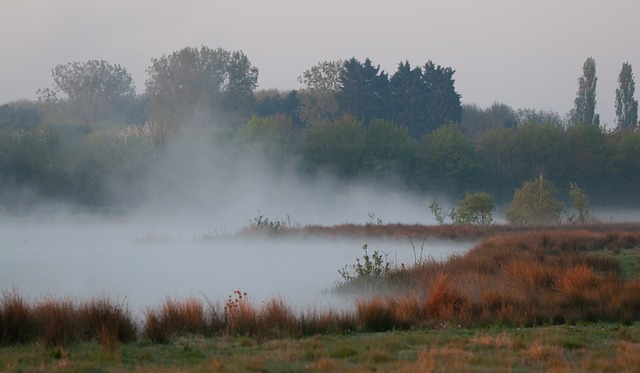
[(58, 322), (526, 278)]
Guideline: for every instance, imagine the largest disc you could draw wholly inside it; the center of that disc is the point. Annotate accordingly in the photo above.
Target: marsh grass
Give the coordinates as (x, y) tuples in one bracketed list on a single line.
[(375, 315), (175, 317), (55, 321), (58, 322), (16, 319), (107, 321)]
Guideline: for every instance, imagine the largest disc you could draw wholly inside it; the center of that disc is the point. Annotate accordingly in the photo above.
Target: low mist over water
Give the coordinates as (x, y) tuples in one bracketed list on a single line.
[(86, 255)]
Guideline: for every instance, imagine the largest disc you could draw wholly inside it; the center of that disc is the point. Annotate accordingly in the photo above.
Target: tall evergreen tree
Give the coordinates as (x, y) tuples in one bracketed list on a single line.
[(365, 90), (443, 101), (584, 106), (409, 97), (626, 105)]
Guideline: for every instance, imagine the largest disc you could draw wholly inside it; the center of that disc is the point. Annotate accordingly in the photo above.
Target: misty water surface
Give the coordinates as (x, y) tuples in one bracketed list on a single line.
[(142, 264)]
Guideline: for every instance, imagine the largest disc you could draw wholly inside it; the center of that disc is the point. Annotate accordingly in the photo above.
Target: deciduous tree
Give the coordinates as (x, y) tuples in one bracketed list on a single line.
[(96, 89), (320, 83), (535, 203), (200, 85), (626, 105), (584, 105)]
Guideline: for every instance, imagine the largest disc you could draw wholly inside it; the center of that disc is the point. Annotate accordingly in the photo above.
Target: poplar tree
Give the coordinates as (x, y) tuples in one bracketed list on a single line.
[(626, 105), (584, 108)]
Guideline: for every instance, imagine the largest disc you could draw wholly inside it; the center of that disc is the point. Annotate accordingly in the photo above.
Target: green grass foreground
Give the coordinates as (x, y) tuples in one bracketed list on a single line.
[(600, 347)]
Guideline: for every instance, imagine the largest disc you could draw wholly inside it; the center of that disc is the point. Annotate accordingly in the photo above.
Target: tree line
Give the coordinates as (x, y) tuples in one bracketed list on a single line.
[(350, 118)]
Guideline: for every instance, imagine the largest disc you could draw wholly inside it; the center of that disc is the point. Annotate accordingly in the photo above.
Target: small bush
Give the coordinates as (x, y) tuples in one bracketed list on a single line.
[(372, 268)]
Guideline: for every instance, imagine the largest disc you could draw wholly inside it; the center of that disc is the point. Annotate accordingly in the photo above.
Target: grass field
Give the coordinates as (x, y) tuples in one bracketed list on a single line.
[(522, 299), (599, 347)]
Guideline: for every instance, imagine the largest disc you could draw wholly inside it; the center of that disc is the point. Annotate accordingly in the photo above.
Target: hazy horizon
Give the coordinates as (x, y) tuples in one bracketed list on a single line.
[(527, 54)]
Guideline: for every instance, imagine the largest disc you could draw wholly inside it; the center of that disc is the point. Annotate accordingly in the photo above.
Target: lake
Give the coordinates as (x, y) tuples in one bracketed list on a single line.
[(144, 262)]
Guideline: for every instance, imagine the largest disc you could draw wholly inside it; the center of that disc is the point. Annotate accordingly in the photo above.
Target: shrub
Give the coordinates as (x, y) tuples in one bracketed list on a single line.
[(535, 203), (372, 267)]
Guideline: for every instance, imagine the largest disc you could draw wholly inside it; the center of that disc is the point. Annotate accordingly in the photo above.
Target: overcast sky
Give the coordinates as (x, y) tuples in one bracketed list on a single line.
[(525, 53)]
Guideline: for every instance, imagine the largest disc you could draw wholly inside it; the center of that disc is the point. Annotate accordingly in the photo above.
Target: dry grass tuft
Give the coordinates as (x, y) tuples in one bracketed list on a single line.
[(497, 341), (175, 317), (107, 321), (374, 315), (16, 319), (575, 281), (278, 319), (55, 321), (444, 301), (241, 317), (406, 310)]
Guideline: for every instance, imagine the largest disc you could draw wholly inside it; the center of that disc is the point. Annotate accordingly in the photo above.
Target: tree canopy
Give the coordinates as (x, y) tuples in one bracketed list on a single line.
[(96, 89), (200, 85)]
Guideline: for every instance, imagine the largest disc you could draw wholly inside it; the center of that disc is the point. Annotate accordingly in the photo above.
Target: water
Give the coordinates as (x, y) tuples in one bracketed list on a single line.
[(141, 264)]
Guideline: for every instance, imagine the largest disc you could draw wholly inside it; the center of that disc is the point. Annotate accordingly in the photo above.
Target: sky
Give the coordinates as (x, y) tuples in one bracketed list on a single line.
[(525, 53)]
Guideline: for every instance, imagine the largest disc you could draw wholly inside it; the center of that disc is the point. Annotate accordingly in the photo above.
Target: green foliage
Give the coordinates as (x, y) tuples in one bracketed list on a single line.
[(535, 203), (364, 90), (373, 267), (584, 109), (270, 226), (20, 114), (449, 160), (438, 213), (272, 137), (475, 208), (409, 98), (96, 90), (444, 102), (321, 83), (276, 103), (338, 146), (193, 86), (388, 149), (586, 154), (580, 202), (626, 104)]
